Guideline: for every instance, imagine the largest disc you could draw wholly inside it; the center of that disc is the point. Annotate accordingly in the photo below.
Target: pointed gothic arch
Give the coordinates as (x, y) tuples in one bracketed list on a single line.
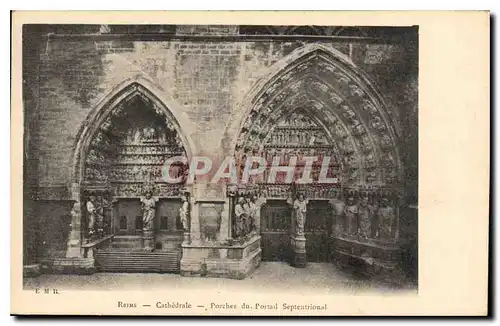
[(127, 90), (344, 101), (340, 100), (133, 99)]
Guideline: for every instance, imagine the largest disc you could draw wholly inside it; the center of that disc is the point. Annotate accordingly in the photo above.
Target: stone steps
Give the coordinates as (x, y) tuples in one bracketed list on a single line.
[(126, 242), (136, 261)]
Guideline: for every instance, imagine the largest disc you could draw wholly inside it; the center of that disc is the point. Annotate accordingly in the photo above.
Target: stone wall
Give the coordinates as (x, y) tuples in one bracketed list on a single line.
[(53, 225), (68, 75)]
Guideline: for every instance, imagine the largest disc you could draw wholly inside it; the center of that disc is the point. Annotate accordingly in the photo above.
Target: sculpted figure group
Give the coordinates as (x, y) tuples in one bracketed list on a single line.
[(97, 225), (245, 212), (299, 209), (366, 217), (148, 204), (96, 206)]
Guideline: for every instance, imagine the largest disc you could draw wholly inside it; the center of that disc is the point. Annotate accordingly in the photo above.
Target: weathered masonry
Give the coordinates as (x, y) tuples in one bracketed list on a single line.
[(106, 105)]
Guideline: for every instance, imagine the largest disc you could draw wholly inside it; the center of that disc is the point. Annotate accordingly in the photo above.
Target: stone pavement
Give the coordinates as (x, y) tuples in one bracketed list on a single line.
[(318, 278)]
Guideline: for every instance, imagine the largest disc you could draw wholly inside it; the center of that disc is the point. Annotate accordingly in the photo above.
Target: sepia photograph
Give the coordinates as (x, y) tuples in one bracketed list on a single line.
[(272, 158)]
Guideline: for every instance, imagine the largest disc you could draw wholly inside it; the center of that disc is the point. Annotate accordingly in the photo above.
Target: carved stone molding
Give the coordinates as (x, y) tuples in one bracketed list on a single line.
[(133, 144), (127, 138), (345, 108), (53, 193)]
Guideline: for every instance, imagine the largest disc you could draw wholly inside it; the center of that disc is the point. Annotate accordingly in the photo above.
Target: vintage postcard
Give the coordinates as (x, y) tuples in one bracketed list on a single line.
[(250, 163)]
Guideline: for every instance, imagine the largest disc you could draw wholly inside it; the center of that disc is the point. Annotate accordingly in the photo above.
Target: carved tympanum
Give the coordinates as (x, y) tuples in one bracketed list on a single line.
[(131, 147), (349, 118)]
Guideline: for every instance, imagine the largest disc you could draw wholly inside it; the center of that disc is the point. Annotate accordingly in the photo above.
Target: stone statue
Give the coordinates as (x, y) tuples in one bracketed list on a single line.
[(300, 209), (184, 212), (92, 214), (365, 217), (247, 216), (96, 207), (339, 209), (75, 211), (100, 215), (253, 212), (248, 124), (239, 215), (351, 215), (148, 203), (148, 210), (377, 123), (149, 134), (373, 207), (108, 205), (387, 218)]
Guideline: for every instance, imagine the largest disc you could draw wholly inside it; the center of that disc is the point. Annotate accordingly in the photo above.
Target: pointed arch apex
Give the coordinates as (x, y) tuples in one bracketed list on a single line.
[(368, 137), (251, 98), (329, 50), (127, 88)]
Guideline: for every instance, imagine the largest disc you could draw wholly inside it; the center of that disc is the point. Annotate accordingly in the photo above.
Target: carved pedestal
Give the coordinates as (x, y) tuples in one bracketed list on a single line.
[(73, 265), (32, 270), (381, 260), (210, 252), (74, 241), (298, 251), (186, 238), (148, 241), (235, 261)]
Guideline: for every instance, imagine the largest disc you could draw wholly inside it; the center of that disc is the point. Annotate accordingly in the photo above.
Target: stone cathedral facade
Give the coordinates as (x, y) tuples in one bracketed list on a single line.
[(105, 106)]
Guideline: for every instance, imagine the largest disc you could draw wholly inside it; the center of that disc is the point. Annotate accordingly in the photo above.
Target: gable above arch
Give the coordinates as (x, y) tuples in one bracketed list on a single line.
[(115, 101), (327, 84)]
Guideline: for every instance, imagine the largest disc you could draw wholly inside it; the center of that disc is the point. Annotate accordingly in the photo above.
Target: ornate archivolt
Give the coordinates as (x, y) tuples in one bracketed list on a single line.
[(112, 103), (122, 145), (126, 141), (342, 102), (130, 148)]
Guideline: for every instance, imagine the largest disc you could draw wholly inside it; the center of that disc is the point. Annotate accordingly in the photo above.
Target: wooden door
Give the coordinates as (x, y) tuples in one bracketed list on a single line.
[(317, 230), (168, 219), (275, 230), (128, 217)]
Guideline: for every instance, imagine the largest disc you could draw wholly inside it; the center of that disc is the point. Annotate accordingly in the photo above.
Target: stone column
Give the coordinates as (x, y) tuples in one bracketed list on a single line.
[(260, 201), (30, 265), (188, 194), (148, 236), (148, 240), (74, 247), (29, 240), (297, 244), (338, 207), (225, 222), (148, 230), (194, 230)]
